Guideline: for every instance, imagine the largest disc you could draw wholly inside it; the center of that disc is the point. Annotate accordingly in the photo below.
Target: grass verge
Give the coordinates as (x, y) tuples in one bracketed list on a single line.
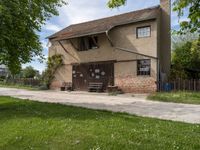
[(35, 125), (176, 97)]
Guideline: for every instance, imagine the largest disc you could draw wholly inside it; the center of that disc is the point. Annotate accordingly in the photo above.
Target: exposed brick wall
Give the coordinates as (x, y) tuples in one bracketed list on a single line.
[(136, 84)]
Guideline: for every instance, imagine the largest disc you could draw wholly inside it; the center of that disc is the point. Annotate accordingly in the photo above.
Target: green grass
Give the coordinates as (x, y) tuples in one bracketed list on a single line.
[(18, 86), (35, 125), (177, 97)]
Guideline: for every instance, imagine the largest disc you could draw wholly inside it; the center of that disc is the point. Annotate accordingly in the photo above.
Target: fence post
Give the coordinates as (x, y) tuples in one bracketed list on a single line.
[(174, 85)]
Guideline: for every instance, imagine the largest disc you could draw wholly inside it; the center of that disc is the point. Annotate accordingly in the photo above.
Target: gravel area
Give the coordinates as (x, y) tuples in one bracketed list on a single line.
[(137, 105)]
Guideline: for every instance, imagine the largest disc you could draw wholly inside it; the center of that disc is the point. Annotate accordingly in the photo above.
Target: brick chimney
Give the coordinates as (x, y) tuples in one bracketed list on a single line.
[(165, 35)]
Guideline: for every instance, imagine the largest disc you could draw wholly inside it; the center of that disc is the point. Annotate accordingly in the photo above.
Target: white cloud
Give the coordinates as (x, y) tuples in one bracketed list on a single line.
[(85, 10), (52, 27), (44, 44)]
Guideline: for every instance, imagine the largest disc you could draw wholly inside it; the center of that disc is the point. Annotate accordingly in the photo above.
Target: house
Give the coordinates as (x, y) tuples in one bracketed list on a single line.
[(3, 71), (131, 50)]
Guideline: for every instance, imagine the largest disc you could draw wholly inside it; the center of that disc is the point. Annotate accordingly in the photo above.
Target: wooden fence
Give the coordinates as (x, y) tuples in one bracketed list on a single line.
[(180, 85)]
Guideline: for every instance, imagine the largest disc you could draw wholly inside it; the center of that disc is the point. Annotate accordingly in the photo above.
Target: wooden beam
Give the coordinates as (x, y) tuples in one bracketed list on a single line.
[(66, 50), (94, 41), (73, 45), (140, 54)]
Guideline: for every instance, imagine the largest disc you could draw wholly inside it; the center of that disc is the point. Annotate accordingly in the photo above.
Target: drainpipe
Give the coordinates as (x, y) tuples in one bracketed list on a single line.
[(158, 75), (109, 39)]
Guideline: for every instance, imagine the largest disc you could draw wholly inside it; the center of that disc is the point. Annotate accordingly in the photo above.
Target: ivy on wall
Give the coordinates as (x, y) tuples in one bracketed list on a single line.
[(53, 64)]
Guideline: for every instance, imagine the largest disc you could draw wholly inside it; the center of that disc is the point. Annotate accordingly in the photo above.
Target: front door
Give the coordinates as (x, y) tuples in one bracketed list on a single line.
[(93, 72), (80, 77)]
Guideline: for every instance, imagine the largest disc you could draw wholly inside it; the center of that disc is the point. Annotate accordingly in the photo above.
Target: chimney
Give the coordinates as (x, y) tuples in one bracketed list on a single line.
[(165, 36)]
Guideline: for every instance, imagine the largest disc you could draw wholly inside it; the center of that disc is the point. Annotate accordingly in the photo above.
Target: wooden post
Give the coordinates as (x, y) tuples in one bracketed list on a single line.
[(174, 85)]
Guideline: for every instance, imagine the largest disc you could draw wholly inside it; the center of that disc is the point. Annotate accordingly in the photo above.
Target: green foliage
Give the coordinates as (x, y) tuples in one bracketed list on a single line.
[(53, 64), (41, 126), (185, 56), (115, 3), (21, 20), (193, 25), (177, 97), (29, 72)]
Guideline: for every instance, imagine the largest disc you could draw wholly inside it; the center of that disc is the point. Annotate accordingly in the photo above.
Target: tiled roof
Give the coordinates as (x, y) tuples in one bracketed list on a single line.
[(105, 24)]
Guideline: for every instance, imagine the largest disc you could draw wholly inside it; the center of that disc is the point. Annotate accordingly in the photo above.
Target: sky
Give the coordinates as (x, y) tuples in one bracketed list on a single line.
[(77, 11)]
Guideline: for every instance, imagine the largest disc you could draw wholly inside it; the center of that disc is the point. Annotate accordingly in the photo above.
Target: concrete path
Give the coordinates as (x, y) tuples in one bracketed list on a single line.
[(123, 103)]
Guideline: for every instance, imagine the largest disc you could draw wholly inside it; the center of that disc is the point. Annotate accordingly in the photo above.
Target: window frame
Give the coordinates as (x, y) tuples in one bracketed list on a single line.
[(89, 39), (147, 26), (139, 72)]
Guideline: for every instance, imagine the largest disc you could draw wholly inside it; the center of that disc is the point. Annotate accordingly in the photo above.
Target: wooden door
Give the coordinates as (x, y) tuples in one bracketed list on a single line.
[(94, 72), (80, 77), (103, 73)]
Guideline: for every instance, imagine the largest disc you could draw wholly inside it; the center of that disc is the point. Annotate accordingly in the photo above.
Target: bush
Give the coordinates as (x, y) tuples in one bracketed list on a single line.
[(53, 64), (43, 87)]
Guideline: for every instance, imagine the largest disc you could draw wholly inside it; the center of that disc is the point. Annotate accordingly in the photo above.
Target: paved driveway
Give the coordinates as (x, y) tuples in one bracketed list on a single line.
[(123, 103)]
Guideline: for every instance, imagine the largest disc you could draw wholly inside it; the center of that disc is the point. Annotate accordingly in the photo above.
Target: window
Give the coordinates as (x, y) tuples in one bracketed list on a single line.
[(143, 67), (86, 43), (143, 32)]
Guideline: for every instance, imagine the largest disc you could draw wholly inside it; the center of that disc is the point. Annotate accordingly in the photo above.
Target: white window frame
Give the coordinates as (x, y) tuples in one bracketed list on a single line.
[(143, 32)]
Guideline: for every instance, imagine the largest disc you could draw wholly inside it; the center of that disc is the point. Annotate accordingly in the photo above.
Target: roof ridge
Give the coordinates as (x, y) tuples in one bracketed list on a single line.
[(148, 8)]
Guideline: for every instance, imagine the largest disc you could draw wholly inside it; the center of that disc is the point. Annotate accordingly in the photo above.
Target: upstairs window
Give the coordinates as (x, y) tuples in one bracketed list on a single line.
[(143, 32), (144, 67), (86, 43)]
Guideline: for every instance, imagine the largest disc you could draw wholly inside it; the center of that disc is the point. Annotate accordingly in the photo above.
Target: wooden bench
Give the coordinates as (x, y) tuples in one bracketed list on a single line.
[(95, 87), (66, 86)]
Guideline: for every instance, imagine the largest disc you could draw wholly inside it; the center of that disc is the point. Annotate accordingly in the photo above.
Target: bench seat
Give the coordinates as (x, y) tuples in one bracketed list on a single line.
[(95, 87)]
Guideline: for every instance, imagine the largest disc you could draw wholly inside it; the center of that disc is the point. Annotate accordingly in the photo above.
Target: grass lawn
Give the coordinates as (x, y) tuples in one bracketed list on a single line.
[(35, 125), (18, 86), (177, 97)]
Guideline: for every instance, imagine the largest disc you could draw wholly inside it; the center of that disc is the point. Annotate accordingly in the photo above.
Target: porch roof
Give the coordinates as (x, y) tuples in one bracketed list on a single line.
[(105, 24)]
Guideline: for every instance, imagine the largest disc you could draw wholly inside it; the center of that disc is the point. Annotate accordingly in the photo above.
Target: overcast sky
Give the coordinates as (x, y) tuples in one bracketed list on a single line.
[(84, 10)]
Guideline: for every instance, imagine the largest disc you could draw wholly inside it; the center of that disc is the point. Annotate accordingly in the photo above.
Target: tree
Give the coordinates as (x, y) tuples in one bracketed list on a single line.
[(29, 72), (192, 25), (20, 21), (178, 40), (186, 56)]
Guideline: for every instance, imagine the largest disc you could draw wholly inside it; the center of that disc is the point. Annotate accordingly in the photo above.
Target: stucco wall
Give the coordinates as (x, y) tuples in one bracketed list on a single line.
[(124, 37)]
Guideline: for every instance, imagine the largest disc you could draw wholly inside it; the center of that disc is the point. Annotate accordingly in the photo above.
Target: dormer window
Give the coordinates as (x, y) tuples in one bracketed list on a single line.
[(87, 43), (143, 32)]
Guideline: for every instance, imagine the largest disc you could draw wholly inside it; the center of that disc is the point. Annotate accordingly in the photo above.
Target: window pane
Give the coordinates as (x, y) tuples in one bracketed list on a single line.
[(143, 32), (143, 67)]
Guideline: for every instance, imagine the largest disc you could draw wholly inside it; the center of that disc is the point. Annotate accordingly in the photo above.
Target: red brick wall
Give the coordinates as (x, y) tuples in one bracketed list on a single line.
[(128, 84), (136, 84)]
